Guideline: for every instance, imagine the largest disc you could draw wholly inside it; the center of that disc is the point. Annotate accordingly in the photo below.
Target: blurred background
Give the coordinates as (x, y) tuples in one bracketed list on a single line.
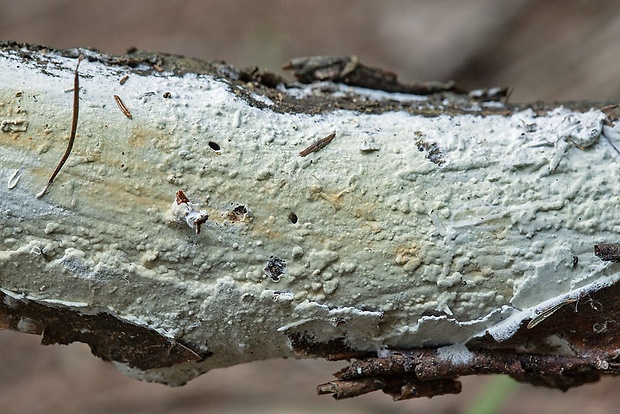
[(545, 50), (553, 50)]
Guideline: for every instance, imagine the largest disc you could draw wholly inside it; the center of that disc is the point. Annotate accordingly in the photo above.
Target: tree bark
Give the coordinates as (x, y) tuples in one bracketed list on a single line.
[(209, 216)]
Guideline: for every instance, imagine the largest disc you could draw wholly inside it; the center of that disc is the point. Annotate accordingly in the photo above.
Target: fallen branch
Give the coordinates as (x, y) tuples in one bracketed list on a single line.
[(209, 216)]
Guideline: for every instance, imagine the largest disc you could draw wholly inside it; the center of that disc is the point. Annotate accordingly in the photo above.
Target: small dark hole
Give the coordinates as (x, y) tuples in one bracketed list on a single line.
[(214, 146), (240, 210), (292, 218)]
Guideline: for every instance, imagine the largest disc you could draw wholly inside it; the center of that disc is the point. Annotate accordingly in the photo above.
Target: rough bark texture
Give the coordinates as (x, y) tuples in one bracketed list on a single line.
[(209, 216)]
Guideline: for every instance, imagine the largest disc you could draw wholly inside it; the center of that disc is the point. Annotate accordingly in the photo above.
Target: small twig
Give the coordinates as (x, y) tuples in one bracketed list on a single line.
[(423, 372), (74, 122), (316, 146)]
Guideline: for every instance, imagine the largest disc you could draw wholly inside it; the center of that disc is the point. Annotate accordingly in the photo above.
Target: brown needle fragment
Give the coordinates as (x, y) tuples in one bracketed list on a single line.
[(544, 314), (74, 122), (317, 145), (181, 197), (202, 219), (194, 219), (122, 106)]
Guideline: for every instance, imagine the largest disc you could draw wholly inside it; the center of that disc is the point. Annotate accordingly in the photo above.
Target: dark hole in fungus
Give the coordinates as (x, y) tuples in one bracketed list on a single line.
[(275, 268), (292, 218), (214, 146), (240, 210), (238, 213)]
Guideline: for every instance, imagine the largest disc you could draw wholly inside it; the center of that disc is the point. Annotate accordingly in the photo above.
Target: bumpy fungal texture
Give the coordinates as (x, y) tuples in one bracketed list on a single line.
[(447, 227)]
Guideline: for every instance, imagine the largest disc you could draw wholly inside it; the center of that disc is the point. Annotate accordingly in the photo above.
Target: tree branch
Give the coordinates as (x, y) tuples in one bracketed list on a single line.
[(427, 236)]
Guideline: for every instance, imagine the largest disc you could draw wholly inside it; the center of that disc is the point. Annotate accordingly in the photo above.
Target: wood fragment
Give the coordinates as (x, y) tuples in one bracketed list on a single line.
[(609, 252), (612, 113), (350, 71), (318, 145), (348, 389), (124, 79)]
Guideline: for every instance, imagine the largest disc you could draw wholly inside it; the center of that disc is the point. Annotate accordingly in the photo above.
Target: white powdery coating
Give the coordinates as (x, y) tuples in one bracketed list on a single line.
[(456, 354), (465, 218)]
